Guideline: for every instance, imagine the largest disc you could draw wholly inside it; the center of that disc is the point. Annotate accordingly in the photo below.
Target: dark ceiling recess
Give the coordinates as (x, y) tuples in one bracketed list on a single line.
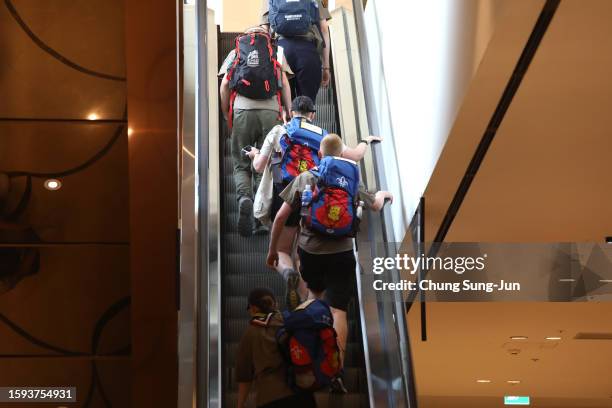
[(609, 240), (593, 336), (529, 51)]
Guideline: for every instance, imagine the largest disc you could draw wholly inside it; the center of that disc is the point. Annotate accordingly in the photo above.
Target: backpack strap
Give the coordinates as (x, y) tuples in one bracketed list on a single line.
[(230, 114), (230, 72), (280, 105), (261, 319)]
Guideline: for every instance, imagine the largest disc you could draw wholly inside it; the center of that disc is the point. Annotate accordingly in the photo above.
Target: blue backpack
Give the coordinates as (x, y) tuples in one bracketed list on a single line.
[(308, 343), (333, 209), (293, 17), (299, 150)]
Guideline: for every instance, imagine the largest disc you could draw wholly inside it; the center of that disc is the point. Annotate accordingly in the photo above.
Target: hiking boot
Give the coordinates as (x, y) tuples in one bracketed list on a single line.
[(245, 216), (260, 229), (292, 296), (337, 386)]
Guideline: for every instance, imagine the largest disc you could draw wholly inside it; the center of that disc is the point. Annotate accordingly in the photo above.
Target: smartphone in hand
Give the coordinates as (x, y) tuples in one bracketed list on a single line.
[(245, 150)]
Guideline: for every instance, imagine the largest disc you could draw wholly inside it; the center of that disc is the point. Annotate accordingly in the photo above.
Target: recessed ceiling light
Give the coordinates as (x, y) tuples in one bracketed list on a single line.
[(518, 337), (53, 184), (513, 381), (553, 338), (609, 240), (483, 381), (92, 116), (130, 131)]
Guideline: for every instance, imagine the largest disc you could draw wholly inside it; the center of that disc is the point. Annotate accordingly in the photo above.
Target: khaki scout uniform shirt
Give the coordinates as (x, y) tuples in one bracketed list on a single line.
[(259, 361)]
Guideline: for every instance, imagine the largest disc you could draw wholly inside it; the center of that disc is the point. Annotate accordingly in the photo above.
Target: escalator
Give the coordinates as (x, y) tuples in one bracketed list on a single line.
[(243, 268)]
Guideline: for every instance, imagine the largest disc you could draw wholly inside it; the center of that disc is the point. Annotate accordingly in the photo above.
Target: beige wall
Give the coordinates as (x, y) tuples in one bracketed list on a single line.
[(240, 14)]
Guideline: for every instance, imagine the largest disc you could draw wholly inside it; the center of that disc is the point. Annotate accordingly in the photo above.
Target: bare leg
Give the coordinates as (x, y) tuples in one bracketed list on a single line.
[(286, 268), (285, 249), (341, 326)]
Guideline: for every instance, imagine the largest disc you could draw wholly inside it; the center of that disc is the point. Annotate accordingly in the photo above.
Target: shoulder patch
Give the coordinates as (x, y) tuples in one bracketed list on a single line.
[(311, 127)]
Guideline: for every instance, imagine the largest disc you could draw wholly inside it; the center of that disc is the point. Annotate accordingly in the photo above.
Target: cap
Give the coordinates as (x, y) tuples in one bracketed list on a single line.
[(256, 295), (302, 104)]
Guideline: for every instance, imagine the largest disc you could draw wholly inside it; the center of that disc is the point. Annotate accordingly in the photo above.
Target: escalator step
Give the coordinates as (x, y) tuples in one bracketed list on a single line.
[(350, 400), (247, 264), (324, 400), (353, 357), (236, 244), (241, 284), (353, 381), (231, 203)]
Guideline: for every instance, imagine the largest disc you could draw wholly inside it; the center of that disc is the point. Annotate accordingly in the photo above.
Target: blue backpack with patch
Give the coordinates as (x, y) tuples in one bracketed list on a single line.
[(333, 209), (309, 345), (299, 150), (293, 17)]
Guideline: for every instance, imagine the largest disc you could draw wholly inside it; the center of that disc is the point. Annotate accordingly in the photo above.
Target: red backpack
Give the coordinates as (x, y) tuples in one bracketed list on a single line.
[(255, 72), (309, 345)]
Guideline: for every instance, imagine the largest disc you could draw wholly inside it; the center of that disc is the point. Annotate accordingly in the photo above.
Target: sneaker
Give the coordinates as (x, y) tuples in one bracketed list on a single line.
[(292, 296), (245, 216), (337, 386)]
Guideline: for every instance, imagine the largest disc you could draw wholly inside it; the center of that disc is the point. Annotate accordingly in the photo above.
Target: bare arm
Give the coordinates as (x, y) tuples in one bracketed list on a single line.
[(260, 162), (277, 227), (355, 153), (243, 393), (286, 95), (326, 73), (224, 92), (358, 152), (379, 200)]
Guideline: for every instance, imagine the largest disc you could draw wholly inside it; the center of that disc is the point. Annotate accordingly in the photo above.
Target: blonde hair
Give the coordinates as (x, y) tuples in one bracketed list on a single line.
[(332, 145)]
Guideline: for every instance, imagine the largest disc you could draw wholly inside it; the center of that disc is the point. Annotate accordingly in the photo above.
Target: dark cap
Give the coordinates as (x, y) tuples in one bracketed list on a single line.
[(257, 295), (302, 104)]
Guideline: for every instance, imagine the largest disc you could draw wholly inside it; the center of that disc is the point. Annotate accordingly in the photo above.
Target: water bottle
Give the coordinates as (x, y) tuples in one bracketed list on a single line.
[(306, 199), (360, 210)]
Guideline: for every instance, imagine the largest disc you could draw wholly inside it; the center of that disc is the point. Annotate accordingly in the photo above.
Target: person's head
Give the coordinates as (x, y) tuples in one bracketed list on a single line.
[(261, 300), (303, 106), (331, 145)]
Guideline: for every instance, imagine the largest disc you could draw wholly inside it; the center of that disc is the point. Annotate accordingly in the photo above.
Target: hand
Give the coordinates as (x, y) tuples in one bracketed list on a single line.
[(371, 139), (326, 78), (272, 259), (254, 151), (389, 196), (286, 117)]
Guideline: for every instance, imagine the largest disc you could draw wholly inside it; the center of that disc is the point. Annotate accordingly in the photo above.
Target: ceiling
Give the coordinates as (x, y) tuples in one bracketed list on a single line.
[(543, 180)]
